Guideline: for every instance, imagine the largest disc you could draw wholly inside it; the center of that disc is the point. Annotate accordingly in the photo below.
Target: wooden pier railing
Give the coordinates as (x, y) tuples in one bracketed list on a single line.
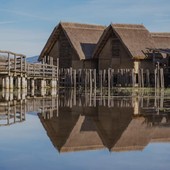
[(16, 72), (41, 70)]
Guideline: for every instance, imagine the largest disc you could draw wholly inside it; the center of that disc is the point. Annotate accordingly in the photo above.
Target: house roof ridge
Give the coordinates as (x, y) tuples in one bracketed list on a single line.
[(128, 26), (82, 25), (160, 34)]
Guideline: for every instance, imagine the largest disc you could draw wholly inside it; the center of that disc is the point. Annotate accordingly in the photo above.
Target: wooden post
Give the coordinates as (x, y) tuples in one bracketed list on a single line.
[(11, 82), (9, 64), (25, 64), (74, 78), (3, 82), (71, 77), (155, 73), (95, 81), (32, 92), (21, 64), (147, 78), (85, 78), (139, 78), (88, 78), (79, 73), (112, 78), (101, 78), (24, 84), (7, 82), (42, 83), (108, 72), (18, 82), (158, 76), (104, 78), (142, 78), (15, 64), (91, 83)]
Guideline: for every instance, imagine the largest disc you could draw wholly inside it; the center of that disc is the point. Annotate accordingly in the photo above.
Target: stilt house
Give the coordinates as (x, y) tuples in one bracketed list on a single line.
[(73, 44), (124, 46)]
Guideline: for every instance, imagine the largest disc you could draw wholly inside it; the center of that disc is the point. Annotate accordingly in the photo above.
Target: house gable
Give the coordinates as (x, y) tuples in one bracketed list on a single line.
[(81, 37), (114, 54), (63, 50)]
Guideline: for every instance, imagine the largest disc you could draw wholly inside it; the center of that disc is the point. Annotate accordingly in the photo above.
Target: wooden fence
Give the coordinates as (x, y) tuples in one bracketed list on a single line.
[(91, 78)]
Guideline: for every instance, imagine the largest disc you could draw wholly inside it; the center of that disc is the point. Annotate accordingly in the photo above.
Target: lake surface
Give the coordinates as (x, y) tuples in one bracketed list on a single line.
[(77, 130)]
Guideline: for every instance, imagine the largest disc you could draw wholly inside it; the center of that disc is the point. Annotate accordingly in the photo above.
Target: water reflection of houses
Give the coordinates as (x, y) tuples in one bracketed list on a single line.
[(79, 127)]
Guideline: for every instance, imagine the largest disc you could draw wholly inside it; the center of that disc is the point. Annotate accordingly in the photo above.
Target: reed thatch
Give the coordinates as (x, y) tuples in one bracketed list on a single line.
[(82, 37), (59, 128), (136, 136), (161, 40), (135, 38)]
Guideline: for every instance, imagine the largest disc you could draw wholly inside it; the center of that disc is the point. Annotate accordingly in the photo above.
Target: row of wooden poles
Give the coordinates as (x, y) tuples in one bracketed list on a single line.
[(90, 78)]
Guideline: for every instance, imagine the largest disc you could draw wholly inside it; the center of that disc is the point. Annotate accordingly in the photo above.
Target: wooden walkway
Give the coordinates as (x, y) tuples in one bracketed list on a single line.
[(15, 72)]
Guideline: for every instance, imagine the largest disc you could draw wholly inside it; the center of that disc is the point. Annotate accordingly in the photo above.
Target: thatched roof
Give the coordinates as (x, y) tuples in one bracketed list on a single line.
[(111, 124), (83, 136), (161, 134), (136, 136), (161, 40), (82, 37), (59, 128), (70, 132), (135, 38)]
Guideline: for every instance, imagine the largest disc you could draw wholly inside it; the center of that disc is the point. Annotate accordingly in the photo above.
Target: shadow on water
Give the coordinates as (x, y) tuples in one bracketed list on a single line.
[(77, 120)]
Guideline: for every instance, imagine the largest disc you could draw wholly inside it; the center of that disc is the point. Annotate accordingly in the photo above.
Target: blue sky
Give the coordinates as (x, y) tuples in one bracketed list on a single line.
[(26, 25)]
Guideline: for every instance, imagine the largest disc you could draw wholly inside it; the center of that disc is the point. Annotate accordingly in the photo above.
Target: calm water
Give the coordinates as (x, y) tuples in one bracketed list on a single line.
[(85, 131)]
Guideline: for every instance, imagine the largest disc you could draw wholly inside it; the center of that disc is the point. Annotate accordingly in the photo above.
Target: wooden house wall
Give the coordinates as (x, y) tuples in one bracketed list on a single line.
[(147, 64), (64, 51), (90, 64), (107, 60), (77, 64), (84, 64)]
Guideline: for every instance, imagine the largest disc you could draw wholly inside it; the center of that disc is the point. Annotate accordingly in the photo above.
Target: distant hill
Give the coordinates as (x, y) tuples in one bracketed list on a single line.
[(33, 59)]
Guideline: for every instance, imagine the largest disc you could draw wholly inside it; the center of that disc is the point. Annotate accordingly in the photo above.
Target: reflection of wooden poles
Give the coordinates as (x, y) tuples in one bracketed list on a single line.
[(162, 98)]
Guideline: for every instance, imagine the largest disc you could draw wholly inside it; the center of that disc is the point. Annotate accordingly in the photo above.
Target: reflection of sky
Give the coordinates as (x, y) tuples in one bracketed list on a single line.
[(26, 146)]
